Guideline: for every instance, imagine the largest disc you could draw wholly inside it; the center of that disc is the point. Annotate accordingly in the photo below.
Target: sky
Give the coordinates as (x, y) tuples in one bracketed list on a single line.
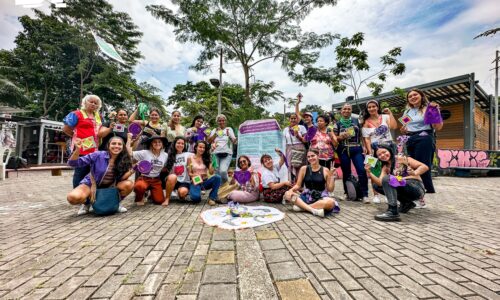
[(436, 37)]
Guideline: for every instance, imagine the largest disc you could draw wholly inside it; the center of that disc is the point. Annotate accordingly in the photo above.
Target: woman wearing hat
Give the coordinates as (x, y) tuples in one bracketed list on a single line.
[(150, 180), (377, 130)]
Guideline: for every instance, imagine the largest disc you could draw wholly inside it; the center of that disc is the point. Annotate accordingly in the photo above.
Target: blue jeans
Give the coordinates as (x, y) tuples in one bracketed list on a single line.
[(211, 183), (79, 174), (223, 166), (354, 154)]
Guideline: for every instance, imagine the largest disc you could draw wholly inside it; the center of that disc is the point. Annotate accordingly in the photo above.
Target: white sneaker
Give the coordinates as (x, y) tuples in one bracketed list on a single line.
[(366, 200), (84, 209), (319, 212), (376, 199), (122, 209), (174, 194), (296, 208), (420, 204)]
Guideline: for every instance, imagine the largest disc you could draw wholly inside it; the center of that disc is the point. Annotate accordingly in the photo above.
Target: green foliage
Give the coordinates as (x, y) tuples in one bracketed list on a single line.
[(351, 68), (247, 31), (313, 108)]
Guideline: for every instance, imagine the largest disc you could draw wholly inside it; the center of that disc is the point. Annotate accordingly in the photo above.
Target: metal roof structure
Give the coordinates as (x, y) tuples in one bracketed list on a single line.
[(447, 91), (4, 109)]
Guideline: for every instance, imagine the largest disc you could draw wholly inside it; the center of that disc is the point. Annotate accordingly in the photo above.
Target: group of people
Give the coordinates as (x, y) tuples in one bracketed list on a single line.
[(171, 160)]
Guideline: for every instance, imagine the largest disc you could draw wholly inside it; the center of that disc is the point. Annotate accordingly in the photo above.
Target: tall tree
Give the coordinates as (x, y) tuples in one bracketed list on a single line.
[(248, 31), (352, 69)]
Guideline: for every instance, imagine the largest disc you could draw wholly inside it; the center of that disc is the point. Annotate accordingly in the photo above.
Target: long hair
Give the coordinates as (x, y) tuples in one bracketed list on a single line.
[(423, 103), (392, 158), (123, 162), (205, 157), (171, 122), (195, 119), (172, 152), (366, 114)]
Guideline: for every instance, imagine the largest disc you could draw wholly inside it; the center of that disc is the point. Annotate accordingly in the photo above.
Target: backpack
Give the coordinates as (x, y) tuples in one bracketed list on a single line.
[(353, 189), (17, 162)]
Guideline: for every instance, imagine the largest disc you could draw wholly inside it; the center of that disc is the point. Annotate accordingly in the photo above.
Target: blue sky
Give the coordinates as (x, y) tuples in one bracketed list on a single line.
[(436, 37)]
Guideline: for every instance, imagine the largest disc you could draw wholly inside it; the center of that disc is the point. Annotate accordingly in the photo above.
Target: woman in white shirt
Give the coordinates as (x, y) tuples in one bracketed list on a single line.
[(177, 166), (294, 138), (274, 188)]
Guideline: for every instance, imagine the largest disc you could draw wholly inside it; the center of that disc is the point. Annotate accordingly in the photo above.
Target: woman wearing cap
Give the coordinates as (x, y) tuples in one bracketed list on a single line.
[(405, 189), (84, 124), (306, 121), (222, 139), (294, 138), (322, 141), (274, 188), (316, 183), (149, 128), (422, 142), (376, 130), (155, 155), (348, 133), (111, 167), (177, 166), (248, 182)]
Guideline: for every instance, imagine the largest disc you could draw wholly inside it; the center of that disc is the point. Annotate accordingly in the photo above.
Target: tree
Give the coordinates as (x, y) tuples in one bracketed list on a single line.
[(313, 107), (248, 31), (351, 69), (492, 31)]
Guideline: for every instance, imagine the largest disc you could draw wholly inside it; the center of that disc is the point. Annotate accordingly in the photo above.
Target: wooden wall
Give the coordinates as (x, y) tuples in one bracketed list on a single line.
[(481, 129)]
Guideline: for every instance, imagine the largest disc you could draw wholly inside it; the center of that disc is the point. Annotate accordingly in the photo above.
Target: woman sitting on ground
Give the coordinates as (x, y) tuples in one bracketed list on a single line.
[(274, 186), (318, 182), (200, 165), (407, 188), (248, 182), (110, 167), (177, 165), (155, 155)]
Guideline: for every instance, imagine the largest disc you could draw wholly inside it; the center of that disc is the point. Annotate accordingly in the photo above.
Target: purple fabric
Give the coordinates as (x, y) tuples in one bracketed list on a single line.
[(394, 182), (134, 129), (432, 115), (98, 162), (242, 177), (144, 166), (311, 132), (270, 125)]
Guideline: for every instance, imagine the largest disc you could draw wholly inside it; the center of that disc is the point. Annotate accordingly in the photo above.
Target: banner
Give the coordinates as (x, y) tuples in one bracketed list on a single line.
[(108, 49), (258, 137)]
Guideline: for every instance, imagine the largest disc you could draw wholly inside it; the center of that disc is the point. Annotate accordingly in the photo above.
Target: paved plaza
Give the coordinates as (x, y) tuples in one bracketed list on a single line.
[(449, 251)]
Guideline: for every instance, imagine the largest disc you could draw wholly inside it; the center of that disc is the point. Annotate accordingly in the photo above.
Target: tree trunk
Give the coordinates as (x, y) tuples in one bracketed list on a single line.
[(246, 71)]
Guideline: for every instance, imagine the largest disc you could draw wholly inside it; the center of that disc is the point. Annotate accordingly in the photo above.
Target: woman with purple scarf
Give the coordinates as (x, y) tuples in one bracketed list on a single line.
[(248, 182)]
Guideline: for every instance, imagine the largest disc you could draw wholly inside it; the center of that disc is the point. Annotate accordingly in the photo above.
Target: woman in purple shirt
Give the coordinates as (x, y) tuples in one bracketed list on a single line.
[(110, 167)]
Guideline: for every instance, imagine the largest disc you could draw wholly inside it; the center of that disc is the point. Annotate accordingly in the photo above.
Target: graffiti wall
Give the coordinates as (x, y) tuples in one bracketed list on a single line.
[(448, 158)]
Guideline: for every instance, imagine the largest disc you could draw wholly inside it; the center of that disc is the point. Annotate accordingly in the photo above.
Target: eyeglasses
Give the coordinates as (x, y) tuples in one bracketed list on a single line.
[(243, 161)]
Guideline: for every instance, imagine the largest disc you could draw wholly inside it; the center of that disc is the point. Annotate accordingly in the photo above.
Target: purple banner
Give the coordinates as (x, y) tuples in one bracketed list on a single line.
[(259, 126)]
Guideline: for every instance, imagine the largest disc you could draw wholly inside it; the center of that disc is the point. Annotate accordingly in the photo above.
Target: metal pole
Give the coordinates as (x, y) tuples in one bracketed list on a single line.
[(284, 111), (495, 123), (219, 96)]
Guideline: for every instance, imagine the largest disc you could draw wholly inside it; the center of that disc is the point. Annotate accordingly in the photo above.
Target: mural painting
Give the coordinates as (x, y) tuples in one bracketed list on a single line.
[(481, 159)]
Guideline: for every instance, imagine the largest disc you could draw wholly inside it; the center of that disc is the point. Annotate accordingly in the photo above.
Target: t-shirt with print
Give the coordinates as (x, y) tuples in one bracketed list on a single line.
[(382, 133), (323, 143), (223, 139), (180, 167), (269, 176), (353, 129), (157, 161), (290, 134)]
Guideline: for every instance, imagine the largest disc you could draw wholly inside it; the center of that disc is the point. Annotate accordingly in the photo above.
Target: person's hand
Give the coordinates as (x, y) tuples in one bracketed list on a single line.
[(112, 125), (434, 104), (287, 183), (278, 151), (112, 115), (333, 170), (130, 136), (368, 168), (387, 111), (404, 130), (77, 143), (365, 151)]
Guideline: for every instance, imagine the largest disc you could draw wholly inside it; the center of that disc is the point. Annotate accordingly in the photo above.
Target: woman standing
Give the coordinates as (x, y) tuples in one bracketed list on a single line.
[(322, 141), (177, 165), (116, 127), (174, 127), (248, 182), (149, 128), (409, 170), (294, 144), (196, 132), (199, 166), (318, 182), (151, 181), (377, 130), (274, 188), (222, 139), (110, 167), (84, 124), (348, 133), (422, 143)]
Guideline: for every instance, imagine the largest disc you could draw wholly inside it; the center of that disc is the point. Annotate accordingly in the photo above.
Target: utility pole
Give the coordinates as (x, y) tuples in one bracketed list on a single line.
[(495, 123), (219, 96)]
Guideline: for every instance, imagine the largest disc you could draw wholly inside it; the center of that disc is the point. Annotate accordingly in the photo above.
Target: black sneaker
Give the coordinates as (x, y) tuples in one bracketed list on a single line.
[(388, 216), (406, 206)]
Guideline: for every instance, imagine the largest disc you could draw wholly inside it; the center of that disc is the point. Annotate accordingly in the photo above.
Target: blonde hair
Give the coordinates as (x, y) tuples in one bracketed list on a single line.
[(171, 121), (87, 98)]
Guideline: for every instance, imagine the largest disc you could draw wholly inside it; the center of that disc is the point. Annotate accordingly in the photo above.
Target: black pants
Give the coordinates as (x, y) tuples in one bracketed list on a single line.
[(326, 163), (421, 148)]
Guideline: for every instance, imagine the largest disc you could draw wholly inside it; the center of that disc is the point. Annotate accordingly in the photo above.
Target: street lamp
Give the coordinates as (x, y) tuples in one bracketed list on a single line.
[(217, 83)]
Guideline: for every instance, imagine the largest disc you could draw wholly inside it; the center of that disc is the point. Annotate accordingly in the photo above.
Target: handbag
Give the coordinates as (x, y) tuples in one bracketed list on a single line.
[(104, 201), (297, 157)]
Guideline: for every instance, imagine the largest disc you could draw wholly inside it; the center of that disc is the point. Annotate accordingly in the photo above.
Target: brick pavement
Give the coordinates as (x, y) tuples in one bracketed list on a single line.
[(449, 251)]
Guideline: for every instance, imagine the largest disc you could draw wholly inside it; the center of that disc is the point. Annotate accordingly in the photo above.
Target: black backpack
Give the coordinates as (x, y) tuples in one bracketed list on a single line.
[(353, 189), (16, 162)]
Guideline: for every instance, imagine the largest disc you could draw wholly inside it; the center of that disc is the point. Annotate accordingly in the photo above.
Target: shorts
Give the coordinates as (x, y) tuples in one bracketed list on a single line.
[(181, 184)]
